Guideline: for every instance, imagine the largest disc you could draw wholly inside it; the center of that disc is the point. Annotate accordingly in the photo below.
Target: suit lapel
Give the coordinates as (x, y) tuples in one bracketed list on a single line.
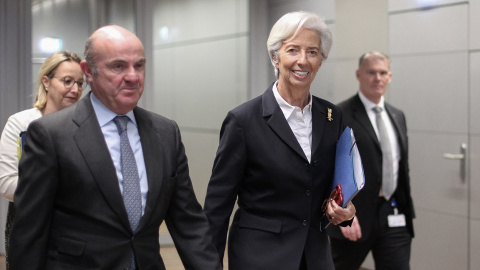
[(277, 122), (360, 114), (319, 119), (153, 156), (91, 143), (396, 119)]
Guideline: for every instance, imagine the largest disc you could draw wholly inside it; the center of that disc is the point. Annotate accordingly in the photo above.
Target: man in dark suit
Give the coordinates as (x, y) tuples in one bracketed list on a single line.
[(84, 200), (383, 222)]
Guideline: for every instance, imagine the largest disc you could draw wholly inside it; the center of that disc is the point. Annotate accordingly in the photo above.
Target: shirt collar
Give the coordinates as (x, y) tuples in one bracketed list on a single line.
[(369, 105), (288, 109), (104, 115)]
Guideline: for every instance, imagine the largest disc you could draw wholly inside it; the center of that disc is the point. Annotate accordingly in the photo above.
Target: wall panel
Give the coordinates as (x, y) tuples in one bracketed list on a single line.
[(474, 99), (361, 26), (474, 154), (474, 20), (194, 20), (429, 31), (324, 8), (67, 20), (200, 71), (474, 244), (432, 90), (447, 252), (345, 81), (199, 83), (396, 5), (200, 149), (436, 183)]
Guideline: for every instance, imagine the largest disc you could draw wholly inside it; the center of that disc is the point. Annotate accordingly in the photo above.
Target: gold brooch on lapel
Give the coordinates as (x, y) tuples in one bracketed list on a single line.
[(329, 114)]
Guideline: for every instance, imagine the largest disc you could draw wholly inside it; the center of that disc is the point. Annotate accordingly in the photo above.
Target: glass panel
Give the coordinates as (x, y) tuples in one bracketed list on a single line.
[(66, 25)]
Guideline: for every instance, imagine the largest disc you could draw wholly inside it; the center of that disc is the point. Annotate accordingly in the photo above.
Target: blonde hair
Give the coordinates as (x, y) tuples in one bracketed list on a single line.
[(48, 69)]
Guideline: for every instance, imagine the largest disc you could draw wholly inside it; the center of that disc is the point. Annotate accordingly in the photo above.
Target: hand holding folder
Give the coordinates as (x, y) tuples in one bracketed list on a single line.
[(348, 172)]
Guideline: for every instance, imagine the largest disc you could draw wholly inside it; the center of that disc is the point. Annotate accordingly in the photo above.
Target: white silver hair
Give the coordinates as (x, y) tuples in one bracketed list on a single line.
[(288, 26)]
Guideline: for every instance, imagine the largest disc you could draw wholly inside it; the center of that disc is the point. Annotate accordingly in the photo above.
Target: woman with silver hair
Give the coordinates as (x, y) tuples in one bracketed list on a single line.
[(276, 159), (60, 84)]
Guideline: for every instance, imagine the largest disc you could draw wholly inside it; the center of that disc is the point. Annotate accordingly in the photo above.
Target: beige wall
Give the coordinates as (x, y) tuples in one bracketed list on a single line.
[(200, 55)]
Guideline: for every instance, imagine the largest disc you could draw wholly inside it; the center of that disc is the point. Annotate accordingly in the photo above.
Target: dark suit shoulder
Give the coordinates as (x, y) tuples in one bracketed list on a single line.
[(159, 124), (346, 104), (58, 118), (248, 106), (393, 109), (145, 114)]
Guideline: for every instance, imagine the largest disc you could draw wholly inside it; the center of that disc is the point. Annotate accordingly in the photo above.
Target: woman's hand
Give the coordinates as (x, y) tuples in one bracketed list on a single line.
[(337, 214)]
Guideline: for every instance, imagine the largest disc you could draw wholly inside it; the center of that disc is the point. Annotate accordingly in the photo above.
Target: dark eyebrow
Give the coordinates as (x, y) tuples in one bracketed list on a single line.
[(118, 60), (141, 61)]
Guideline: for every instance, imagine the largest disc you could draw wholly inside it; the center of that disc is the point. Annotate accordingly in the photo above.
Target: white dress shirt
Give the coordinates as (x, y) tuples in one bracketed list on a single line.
[(299, 121), (112, 138), (392, 135)]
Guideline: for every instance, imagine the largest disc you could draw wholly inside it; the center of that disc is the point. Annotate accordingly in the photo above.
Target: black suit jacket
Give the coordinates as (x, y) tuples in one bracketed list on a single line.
[(70, 212), (355, 116), (279, 192)]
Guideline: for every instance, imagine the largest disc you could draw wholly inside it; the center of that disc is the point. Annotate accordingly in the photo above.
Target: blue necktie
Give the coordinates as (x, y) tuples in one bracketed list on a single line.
[(388, 183), (132, 197)]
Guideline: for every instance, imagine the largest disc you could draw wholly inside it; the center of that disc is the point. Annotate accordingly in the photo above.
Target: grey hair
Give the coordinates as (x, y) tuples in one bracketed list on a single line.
[(90, 56), (288, 26), (375, 54)]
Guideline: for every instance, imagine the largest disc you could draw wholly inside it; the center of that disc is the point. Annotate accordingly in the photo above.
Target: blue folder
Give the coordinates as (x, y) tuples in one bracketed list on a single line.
[(348, 170), (348, 167)]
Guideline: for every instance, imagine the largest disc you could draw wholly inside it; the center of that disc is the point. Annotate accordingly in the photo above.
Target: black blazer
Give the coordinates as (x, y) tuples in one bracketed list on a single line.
[(355, 116), (279, 192), (70, 212)]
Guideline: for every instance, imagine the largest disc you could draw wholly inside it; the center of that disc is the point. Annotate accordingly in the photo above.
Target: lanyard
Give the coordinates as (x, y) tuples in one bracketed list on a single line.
[(394, 205)]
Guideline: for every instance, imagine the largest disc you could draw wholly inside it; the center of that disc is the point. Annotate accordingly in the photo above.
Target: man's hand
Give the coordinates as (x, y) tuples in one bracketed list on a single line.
[(354, 232)]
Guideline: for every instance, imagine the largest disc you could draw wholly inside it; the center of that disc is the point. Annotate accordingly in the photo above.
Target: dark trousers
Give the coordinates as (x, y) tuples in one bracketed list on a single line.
[(8, 231), (390, 246), (303, 263)]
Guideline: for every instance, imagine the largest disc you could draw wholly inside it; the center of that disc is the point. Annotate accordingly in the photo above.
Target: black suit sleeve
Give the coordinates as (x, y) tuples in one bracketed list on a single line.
[(185, 219), (34, 198), (227, 173)]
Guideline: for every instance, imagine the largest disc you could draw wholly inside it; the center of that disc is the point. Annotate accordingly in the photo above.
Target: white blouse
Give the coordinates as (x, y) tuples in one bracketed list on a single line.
[(16, 123)]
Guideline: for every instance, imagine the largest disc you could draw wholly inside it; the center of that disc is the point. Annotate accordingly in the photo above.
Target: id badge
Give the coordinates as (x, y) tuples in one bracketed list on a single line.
[(397, 220)]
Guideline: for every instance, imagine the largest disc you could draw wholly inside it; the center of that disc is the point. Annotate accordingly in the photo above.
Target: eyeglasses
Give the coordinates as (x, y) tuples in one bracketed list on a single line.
[(69, 81)]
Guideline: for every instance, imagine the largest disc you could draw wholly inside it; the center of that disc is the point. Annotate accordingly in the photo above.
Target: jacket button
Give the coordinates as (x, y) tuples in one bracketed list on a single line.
[(307, 193), (305, 223), (316, 163)]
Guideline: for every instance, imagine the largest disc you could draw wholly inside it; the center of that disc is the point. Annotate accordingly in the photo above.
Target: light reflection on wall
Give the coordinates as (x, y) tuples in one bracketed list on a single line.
[(427, 3), (50, 45), (163, 32)]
